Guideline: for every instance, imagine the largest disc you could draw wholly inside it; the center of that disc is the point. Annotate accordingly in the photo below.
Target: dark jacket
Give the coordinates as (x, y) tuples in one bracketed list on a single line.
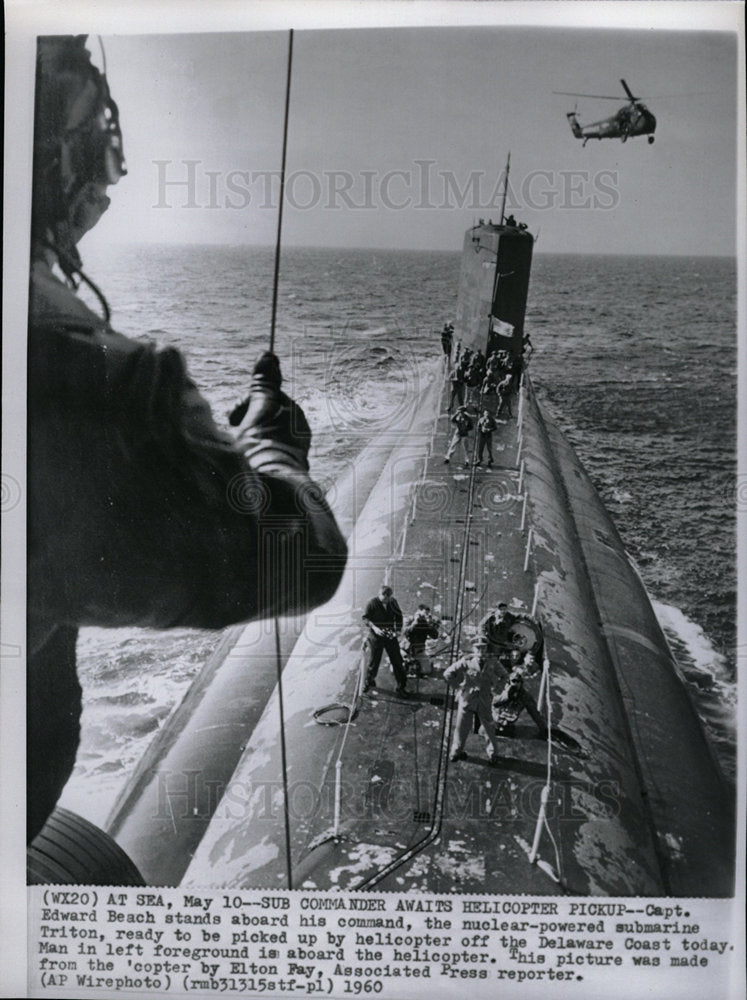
[(142, 512), (463, 422), (377, 614), (486, 425), (420, 629)]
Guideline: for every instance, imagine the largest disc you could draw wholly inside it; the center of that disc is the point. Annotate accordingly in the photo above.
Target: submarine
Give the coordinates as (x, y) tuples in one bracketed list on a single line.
[(278, 770)]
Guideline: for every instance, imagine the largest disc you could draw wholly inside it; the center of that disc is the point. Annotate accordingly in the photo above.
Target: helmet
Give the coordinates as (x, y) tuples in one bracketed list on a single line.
[(77, 139)]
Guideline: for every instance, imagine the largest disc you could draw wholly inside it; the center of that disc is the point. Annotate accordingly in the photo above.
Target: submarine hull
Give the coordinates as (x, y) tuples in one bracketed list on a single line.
[(348, 790), (379, 803)]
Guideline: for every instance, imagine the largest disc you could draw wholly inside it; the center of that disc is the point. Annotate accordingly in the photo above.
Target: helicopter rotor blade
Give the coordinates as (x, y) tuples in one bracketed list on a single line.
[(599, 97), (626, 88)]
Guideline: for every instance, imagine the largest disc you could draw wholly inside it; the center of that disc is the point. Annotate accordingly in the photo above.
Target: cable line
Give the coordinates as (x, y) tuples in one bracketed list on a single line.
[(278, 659)]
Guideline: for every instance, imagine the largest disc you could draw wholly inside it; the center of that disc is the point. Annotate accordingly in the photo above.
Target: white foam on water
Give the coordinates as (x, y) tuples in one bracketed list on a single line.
[(706, 673), (704, 657)]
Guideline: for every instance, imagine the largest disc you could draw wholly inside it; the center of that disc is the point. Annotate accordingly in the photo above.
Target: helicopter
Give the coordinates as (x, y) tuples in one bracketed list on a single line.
[(632, 119)]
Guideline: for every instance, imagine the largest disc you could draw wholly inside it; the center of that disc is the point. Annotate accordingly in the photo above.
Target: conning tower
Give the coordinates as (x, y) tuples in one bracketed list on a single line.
[(494, 282)]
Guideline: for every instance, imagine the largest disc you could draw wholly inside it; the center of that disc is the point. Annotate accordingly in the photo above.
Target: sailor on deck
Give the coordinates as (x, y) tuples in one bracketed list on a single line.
[(456, 379), (485, 427), (384, 619), (447, 336), (489, 385), (462, 421), (474, 679), (503, 391), (465, 361), (421, 627), (474, 376), (514, 698), (497, 627)]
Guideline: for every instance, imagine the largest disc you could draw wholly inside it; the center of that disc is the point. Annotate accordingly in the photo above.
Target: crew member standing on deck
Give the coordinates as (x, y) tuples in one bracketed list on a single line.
[(465, 361), (489, 385), (527, 348), (475, 375), (456, 379), (139, 509), (384, 619), (517, 367), (485, 427), (473, 677), (462, 422), (503, 391), (447, 335), (421, 627)]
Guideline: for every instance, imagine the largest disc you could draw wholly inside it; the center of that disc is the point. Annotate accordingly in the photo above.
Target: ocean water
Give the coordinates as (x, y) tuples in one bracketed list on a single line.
[(634, 356)]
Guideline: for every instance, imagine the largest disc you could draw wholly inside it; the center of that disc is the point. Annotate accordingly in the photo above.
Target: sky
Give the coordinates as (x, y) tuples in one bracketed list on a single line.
[(398, 137)]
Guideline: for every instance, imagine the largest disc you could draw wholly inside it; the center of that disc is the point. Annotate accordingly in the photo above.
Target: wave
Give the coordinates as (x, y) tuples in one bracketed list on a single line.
[(708, 679)]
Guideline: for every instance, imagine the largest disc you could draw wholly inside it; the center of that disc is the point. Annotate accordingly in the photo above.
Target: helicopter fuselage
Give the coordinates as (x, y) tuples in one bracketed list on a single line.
[(630, 120)]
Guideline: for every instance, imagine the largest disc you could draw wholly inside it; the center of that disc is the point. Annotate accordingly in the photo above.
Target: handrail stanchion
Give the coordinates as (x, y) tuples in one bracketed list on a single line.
[(536, 595), (529, 548)]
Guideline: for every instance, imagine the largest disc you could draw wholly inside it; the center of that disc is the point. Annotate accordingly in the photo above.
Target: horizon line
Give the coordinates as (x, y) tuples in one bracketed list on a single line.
[(393, 249)]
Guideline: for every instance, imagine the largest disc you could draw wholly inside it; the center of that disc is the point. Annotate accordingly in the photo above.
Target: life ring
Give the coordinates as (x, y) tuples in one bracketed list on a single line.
[(526, 636)]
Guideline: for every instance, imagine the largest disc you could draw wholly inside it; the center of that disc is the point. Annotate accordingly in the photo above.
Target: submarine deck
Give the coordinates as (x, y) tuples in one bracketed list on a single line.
[(414, 816), (375, 801)]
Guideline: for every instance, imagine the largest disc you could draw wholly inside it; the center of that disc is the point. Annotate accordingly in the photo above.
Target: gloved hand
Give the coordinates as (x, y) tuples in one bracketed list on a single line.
[(276, 434)]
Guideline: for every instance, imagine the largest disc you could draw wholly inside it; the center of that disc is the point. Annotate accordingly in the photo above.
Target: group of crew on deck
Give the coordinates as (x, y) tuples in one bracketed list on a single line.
[(489, 681), (473, 379)]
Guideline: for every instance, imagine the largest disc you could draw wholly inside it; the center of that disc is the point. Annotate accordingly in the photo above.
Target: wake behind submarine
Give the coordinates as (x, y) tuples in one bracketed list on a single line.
[(346, 790)]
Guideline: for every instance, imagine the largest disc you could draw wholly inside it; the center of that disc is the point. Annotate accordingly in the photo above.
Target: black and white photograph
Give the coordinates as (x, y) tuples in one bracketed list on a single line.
[(373, 535)]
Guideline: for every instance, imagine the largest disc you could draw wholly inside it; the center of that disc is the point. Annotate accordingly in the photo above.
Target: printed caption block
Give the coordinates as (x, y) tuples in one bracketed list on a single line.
[(100, 941)]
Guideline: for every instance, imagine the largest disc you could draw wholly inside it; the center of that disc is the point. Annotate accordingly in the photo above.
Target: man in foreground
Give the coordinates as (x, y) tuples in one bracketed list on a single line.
[(141, 511), (473, 677)]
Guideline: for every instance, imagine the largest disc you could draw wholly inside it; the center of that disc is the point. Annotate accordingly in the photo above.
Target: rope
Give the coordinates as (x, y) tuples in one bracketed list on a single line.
[(448, 634), (440, 781), (543, 681), (542, 817), (283, 758), (276, 276), (278, 660), (338, 763), (351, 710)]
